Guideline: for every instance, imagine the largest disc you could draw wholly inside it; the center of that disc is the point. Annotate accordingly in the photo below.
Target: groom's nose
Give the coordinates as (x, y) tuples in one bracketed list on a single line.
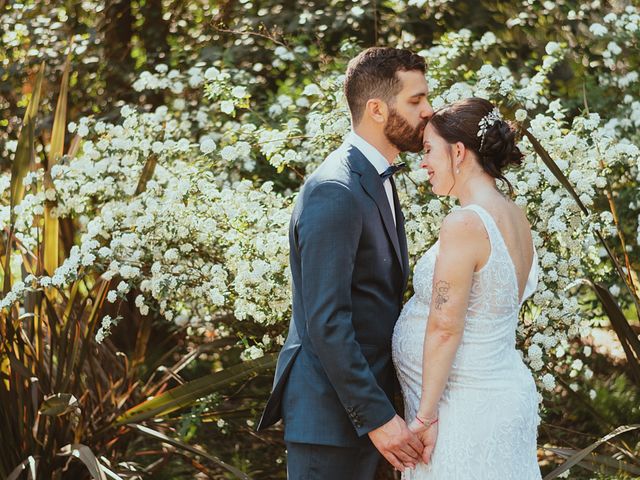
[(427, 112)]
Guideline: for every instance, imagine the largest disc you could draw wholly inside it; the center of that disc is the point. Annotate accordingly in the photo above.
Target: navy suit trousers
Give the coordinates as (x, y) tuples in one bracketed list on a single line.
[(307, 461)]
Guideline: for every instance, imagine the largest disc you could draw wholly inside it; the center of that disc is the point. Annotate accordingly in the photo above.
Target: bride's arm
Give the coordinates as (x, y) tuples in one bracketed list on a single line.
[(460, 236)]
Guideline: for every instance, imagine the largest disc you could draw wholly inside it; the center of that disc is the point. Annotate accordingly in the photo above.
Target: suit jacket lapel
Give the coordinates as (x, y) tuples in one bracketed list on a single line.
[(372, 184), (402, 236)]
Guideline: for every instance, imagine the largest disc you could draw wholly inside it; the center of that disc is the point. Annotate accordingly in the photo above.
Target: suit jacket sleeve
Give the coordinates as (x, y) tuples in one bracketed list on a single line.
[(328, 234)]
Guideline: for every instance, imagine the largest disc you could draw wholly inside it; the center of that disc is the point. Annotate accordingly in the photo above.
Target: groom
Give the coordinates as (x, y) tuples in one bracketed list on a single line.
[(335, 378)]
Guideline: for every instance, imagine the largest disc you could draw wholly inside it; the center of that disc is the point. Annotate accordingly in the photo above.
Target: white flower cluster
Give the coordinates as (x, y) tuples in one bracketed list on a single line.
[(29, 34), (617, 34), (194, 248), (627, 23), (450, 79), (441, 58), (105, 327), (428, 3), (301, 137)]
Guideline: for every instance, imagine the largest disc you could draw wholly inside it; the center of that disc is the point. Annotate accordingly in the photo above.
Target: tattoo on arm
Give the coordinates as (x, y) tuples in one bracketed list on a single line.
[(442, 293)]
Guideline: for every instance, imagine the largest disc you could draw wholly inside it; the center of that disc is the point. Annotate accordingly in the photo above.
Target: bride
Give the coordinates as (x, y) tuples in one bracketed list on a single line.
[(469, 396)]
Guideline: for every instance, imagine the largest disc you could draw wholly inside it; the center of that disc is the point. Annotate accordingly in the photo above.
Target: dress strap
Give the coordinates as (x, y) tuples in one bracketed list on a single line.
[(496, 239), (499, 251)]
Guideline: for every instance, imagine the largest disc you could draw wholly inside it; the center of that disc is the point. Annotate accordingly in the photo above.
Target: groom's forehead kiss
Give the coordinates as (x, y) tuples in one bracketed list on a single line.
[(387, 74), (414, 87), (412, 100)]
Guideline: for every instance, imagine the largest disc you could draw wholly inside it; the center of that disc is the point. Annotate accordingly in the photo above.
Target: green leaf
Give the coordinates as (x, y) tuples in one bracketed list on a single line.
[(58, 404), (184, 395), (25, 149), (60, 118), (577, 457), (25, 152), (56, 149), (184, 446)]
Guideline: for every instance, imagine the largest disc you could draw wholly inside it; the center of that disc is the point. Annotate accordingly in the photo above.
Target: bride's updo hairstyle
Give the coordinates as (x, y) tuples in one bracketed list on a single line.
[(496, 149)]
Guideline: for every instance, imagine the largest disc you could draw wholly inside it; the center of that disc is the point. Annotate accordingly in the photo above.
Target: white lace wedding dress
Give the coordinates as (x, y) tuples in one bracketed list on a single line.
[(488, 413)]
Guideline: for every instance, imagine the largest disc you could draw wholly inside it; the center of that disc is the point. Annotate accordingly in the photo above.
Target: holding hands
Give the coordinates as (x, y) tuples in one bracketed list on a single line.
[(426, 428), (397, 443)]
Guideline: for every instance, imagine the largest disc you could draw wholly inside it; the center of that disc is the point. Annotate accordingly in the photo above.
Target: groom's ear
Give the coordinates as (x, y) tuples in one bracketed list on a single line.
[(377, 110)]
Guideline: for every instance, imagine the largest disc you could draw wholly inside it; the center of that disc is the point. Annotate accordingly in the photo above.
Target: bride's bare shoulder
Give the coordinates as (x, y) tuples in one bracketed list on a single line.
[(464, 239), (461, 224)]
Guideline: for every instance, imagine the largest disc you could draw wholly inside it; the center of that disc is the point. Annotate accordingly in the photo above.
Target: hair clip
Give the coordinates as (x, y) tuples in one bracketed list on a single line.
[(487, 121)]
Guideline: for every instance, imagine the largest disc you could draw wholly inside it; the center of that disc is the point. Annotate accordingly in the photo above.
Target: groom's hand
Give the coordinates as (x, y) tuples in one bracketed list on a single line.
[(399, 445)]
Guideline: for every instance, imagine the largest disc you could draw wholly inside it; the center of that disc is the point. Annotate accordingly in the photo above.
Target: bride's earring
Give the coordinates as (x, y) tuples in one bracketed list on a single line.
[(458, 170)]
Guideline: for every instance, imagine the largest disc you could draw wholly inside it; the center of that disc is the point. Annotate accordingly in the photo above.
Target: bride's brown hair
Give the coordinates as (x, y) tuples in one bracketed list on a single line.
[(496, 149)]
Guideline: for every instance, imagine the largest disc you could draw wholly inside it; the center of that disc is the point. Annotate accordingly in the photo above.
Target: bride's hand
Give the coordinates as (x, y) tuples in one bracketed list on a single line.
[(427, 432)]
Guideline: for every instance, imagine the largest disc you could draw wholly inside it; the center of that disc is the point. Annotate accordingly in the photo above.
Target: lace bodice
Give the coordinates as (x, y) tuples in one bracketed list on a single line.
[(490, 400)]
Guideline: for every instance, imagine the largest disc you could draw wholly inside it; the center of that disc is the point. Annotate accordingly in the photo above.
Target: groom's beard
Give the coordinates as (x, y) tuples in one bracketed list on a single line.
[(402, 135)]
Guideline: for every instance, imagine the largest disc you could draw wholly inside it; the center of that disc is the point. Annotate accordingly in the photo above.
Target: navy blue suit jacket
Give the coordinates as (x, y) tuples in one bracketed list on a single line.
[(335, 379)]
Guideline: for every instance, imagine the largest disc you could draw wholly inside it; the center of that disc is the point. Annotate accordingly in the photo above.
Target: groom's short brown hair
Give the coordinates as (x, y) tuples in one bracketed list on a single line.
[(372, 74)]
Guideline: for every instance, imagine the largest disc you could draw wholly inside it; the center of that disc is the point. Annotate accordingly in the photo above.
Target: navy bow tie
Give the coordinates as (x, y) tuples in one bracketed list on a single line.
[(391, 170)]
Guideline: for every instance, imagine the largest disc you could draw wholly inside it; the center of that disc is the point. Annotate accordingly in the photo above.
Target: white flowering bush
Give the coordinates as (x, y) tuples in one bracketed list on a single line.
[(181, 206), (197, 246)]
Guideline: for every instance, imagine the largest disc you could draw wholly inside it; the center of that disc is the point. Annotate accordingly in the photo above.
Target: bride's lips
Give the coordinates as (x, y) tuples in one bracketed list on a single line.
[(430, 173)]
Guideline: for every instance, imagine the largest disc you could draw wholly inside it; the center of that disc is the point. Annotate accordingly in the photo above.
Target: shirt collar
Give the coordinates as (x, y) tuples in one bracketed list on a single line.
[(369, 151)]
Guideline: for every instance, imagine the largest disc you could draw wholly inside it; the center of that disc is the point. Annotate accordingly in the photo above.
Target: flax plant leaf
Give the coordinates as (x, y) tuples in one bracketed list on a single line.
[(56, 149), (58, 404), (596, 463), (86, 456), (580, 455), (185, 395), (620, 324), (25, 154), (30, 463), (183, 446)]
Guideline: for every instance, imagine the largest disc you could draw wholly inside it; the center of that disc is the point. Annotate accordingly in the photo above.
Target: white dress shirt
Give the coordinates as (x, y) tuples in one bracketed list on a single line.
[(379, 162)]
